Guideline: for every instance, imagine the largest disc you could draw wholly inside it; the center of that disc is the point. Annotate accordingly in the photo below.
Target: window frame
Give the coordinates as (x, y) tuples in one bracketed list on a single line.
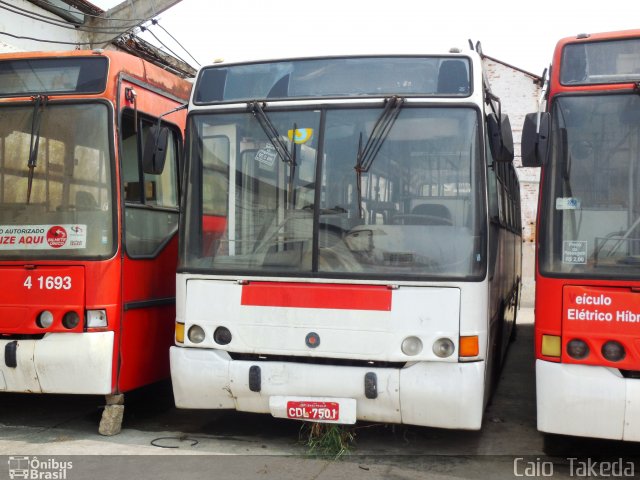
[(142, 204)]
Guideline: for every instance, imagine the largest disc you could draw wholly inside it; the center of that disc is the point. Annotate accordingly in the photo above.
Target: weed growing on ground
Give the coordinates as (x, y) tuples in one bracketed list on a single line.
[(327, 439)]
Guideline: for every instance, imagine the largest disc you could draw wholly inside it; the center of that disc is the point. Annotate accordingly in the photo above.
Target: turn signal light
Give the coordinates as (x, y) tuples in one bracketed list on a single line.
[(469, 346), (613, 351), (551, 345), (97, 319), (179, 332)]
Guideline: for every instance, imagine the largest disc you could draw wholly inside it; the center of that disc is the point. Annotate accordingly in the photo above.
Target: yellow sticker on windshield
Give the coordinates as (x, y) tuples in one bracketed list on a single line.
[(303, 135)]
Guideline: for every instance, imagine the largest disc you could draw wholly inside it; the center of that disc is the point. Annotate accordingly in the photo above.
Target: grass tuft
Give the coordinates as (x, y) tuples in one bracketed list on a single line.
[(327, 439)]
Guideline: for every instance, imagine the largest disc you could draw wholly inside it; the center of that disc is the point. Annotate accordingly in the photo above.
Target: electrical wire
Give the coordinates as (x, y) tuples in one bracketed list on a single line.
[(58, 41), (155, 22), (59, 23), (133, 23), (114, 19), (145, 29)]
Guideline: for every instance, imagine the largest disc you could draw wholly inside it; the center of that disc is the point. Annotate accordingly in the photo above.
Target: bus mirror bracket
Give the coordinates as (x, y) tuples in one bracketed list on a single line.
[(154, 154), (500, 137), (535, 139)]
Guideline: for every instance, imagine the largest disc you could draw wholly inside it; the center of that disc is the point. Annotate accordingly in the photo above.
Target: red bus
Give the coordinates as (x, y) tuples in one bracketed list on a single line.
[(587, 325), (88, 234)]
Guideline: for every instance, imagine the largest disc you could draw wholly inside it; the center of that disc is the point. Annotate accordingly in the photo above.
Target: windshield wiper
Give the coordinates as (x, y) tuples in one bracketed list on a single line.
[(274, 137), (379, 133), (272, 134), (39, 103)]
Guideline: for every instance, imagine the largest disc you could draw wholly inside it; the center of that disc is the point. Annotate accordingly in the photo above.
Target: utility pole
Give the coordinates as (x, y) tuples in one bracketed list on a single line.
[(138, 11)]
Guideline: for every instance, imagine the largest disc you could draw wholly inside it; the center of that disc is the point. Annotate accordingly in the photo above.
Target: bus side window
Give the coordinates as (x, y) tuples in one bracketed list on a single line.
[(151, 201)]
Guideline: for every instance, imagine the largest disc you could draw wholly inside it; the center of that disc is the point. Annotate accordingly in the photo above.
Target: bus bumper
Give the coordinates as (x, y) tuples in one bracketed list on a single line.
[(435, 394), (58, 363), (587, 401)]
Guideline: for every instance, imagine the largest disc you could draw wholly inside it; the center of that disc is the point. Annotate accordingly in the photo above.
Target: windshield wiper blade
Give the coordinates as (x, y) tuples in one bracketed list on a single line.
[(272, 134), (39, 103), (378, 135)]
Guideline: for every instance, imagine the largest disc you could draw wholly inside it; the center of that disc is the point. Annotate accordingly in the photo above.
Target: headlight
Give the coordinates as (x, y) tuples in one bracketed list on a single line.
[(70, 320), (443, 347), (411, 346), (45, 319), (577, 349), (222, 336), (613, 351), (196, 334)]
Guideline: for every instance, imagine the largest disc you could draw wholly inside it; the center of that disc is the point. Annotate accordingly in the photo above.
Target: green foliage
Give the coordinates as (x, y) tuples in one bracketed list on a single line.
[(327, 439)]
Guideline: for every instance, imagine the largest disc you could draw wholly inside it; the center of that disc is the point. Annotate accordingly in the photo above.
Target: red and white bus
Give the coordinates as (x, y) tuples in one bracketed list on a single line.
[(88, 236), (350, 245), (587, 318)]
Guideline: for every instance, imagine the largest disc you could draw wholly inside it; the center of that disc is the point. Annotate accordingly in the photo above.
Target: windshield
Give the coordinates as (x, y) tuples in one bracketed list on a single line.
[(591, 209), (410, 208), (335, 77), (55, 181), (611, 61)]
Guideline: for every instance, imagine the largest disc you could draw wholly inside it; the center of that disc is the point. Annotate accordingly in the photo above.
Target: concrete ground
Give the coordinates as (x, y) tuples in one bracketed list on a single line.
[(158, 441)]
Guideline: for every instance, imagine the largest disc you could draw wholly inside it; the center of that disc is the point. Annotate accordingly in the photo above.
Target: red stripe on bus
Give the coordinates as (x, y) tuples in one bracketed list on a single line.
[(304, 295)]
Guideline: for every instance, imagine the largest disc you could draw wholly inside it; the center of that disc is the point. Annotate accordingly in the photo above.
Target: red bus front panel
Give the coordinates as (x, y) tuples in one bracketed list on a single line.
[(597, 315), (28, 291)]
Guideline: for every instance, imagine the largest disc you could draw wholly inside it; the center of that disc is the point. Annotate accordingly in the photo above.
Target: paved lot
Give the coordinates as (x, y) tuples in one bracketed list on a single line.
[(159, 441)]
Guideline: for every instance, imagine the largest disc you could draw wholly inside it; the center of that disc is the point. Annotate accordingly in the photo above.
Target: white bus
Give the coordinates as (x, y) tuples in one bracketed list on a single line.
[(350, 248)]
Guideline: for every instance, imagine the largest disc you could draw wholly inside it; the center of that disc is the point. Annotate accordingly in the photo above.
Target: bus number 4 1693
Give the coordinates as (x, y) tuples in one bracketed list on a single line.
[(48, 283)]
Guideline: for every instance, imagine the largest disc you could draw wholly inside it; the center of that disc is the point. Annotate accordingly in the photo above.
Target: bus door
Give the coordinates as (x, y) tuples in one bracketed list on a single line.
[(150, 224)]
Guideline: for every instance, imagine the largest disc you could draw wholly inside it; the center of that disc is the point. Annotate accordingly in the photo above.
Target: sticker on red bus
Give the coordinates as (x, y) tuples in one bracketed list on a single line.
[(42, 237)]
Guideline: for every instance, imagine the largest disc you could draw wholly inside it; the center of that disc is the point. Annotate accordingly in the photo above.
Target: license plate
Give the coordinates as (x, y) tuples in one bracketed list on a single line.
[(327, 411), (314, 409)]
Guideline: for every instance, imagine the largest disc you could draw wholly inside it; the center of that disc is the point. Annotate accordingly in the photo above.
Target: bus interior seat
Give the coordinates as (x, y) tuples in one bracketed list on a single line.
[(433, 214), (453, 77)]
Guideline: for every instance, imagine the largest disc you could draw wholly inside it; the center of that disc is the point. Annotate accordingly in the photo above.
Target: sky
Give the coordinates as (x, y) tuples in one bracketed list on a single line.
[(521, 33)]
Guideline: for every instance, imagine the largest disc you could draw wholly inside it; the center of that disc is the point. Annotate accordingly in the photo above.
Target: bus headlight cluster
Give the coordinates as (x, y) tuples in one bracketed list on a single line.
[(196, 334), (611, 350), (443, 347)]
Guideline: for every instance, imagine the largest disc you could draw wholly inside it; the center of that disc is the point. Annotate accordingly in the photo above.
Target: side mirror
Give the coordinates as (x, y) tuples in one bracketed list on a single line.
[(155, 150), (535, 141), (500, 137)]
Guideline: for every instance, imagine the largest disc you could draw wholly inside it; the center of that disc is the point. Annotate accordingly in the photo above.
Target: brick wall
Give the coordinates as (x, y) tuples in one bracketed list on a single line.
[(519, 92)]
